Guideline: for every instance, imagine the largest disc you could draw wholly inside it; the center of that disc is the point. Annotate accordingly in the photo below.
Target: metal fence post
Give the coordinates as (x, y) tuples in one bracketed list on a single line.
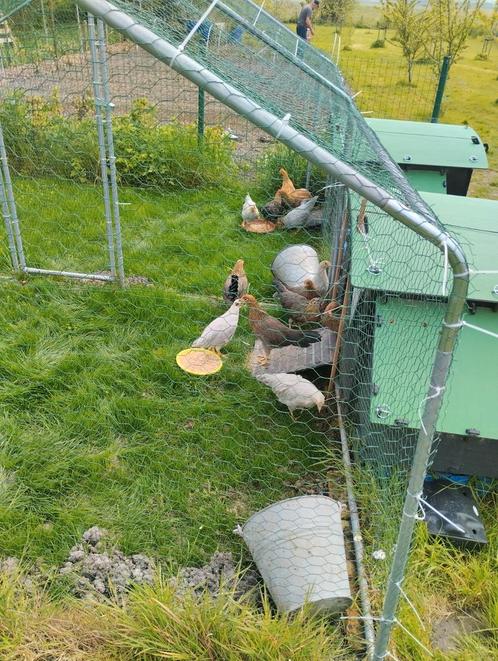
[(8, 225), (201, 107), (101, 141), (440, 369), (101, 49), (11, 204), (443, 76)]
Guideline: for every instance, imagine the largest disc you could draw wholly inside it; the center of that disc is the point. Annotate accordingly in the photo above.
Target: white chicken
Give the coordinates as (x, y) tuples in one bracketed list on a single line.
[(297, 217), (249, 209), (294, 391), (322, 279), (220, 331)]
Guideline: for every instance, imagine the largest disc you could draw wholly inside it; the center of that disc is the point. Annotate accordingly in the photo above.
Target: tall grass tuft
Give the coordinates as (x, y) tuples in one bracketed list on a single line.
[(157, 623)]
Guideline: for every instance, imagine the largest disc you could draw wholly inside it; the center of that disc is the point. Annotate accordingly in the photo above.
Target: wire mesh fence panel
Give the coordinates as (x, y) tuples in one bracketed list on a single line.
[(233, 244), (384, 90)]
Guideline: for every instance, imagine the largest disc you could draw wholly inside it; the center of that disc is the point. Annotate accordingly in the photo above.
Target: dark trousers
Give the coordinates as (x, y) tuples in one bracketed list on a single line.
[(301, 32)]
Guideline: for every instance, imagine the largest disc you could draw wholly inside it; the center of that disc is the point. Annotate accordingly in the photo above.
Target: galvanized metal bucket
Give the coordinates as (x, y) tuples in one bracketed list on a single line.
[(295, 264), (298, 547)]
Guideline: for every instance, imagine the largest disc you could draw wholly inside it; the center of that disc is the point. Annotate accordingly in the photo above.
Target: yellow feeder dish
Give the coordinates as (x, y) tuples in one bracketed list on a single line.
[(199, 361)]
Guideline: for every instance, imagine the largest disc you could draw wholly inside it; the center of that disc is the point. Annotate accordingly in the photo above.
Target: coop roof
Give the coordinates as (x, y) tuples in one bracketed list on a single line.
[(435, 145), (388, 256), (402, 365)]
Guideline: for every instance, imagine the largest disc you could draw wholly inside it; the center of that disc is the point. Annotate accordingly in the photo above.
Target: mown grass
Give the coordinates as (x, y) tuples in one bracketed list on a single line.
[(99, 424)]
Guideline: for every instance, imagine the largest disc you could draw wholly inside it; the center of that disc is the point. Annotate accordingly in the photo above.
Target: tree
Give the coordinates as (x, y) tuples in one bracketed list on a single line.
[(336, 11), (409, 22), (449, 26)]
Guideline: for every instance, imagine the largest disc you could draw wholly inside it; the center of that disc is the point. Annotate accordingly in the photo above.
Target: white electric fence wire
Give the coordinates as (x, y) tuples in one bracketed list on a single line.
[(440, 514), (472, 272), (259, 12), (481, 330), (395, 621), (201, 20), (437, 391), (410, 603), (391, 655), (416, 516), (414, 638)]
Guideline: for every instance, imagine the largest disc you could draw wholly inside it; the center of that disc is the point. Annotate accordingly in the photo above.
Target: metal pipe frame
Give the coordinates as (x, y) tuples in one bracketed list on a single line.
[(291, 57), (9, 192), (96, 80), (359, 549), (424, 227), (8, 225), (69, 274), (102, 51)]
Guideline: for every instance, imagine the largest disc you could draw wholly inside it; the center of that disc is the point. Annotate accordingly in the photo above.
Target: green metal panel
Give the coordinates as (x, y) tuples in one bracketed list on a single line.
[(401, 368), (422, 143), (391, 257), (433, 181)]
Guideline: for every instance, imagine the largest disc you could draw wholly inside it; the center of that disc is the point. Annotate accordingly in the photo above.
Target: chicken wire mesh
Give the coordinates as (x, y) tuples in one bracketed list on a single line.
[(150, 194)]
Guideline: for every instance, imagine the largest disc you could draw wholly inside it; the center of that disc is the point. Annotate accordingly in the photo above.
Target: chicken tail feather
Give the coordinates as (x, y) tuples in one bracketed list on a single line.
[(233, 288), (305, 338)]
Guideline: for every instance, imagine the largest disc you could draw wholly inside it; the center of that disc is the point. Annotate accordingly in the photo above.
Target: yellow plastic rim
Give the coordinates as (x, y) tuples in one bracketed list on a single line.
[(199, 361)]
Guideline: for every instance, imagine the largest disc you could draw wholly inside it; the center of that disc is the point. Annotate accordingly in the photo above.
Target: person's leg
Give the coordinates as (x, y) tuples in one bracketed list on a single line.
[(301, 32)]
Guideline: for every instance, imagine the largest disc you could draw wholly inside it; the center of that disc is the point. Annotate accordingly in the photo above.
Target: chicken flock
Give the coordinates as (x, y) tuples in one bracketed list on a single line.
[(290, 208), (305, 302)]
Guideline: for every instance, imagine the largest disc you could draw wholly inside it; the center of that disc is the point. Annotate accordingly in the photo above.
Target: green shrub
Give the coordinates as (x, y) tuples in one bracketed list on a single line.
[(378, 43), (42, 141)]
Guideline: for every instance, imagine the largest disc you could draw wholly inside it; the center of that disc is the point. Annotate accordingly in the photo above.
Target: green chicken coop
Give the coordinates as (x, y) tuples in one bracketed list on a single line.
[(439, 158), (399, 288)]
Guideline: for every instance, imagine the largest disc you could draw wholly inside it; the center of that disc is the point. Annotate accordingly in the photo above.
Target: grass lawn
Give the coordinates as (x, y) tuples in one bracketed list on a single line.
[(470, 95), (99, 424)]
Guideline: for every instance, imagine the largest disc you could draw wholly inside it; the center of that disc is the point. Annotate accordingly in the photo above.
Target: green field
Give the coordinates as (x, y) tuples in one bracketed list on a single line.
[(470, 96)]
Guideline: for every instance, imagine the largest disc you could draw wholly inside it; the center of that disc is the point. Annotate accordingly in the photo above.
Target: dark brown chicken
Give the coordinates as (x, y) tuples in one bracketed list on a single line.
[(273, 333), (236, 284), (300, 308)]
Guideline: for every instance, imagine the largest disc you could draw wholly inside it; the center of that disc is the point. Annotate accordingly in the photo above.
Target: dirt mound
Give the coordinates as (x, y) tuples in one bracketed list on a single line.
[(220, 572), (105, 573)]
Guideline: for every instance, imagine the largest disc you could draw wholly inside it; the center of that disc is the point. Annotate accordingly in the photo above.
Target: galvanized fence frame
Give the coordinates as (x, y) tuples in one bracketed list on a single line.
[(103, 115)]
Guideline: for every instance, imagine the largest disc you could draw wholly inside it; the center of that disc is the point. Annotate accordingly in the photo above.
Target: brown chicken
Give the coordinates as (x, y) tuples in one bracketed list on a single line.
[(329, 318), (299, 195), (236, 284), (289, 193), (307, 289), (301, 309), (287, 186), (273, 333)]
